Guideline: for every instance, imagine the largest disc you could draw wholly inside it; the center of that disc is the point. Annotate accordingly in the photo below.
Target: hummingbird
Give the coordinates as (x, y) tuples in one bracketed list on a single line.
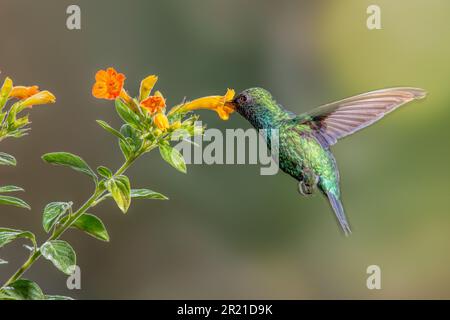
[(304, 140)]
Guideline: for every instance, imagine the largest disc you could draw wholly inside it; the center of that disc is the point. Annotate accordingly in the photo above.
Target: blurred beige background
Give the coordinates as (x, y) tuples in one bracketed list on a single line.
[(228, 232)]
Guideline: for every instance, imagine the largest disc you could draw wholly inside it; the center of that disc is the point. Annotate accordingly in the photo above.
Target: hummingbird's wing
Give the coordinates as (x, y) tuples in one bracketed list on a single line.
[(337, 120)]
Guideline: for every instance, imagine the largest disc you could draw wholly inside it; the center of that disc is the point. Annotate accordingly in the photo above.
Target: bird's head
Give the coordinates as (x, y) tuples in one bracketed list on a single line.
[(257, 106)]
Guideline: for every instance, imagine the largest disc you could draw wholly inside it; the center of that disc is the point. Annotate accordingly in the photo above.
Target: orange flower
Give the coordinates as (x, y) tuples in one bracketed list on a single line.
[(216, 103), (154, 103), (161, 121), (108, 84), (21, 92)]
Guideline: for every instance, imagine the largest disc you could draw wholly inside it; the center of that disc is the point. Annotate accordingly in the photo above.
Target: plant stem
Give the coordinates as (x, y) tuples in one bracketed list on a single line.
[(99, 190)]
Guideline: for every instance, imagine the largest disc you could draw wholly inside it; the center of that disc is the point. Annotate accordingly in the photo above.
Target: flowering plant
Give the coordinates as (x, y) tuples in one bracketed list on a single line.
[(147, 125), (12, 125)]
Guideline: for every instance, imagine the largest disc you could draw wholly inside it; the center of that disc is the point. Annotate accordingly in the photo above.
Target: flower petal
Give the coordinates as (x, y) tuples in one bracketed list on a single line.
[(154, 104), (147, 86), (101, 75)]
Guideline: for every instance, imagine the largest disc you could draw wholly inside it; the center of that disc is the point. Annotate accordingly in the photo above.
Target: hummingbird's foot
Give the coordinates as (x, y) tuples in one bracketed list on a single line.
[(308, 182), (305, 189)]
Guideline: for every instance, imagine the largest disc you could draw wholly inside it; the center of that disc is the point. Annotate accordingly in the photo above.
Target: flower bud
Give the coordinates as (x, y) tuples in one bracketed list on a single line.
[(161, 121), (42, 97), (146, 86), (4, 91)]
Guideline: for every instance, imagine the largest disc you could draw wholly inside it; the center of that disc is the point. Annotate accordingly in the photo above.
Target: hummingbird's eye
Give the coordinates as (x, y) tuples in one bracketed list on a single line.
[(243, 99)]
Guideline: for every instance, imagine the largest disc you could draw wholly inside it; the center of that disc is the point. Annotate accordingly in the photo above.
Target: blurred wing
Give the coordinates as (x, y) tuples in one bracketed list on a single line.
[(339, 119)]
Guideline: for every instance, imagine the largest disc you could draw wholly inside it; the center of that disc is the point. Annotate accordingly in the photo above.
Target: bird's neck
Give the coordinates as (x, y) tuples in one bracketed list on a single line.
[(265, 118)]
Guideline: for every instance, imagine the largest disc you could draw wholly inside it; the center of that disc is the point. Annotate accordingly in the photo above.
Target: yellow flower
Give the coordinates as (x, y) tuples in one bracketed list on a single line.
[(147, 86), (21, 92), (216, 103), (42, 97), (161, 121)]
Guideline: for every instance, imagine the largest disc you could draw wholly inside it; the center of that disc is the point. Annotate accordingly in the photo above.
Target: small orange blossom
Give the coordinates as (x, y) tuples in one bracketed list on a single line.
[(154, 104), (108, 84), (22, 92)]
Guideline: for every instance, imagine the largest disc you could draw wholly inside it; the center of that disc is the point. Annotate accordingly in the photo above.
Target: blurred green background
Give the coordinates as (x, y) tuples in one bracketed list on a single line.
[(228, 232)]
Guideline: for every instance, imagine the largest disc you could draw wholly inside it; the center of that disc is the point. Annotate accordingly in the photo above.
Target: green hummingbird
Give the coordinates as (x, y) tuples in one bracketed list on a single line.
[(304, 140)]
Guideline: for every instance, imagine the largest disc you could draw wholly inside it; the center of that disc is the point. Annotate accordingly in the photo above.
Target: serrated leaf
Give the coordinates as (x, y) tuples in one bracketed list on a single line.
[(173, 157), (56, 297), (69, 160), (22, 289), (7, 159), (110, 129), (5, 189), (104, 172), (61, 254), (92, 225), (147, 194), (53, 212), (7, 235), (120, 189), (13, 201)]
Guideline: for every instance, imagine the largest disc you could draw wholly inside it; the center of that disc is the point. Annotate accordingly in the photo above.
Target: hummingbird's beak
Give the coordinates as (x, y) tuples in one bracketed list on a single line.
[(231, 104)]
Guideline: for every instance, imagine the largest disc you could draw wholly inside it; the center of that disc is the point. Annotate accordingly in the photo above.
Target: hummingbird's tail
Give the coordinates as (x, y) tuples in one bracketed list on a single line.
[(339, 212)]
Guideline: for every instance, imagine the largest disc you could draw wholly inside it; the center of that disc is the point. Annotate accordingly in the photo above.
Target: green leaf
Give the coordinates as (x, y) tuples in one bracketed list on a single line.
[(69, 160), (7, 235), (3, 261), (53, 297), (53, 212), (4, 296), (127, 114), (172, 156), (5, 189), (22, 289), (13, 201), (110, 129), (132, 136), (61, 254), (147, 194), (127, 150), (120, 189), (7, 159), (104, 172), (92, 225), (132, 142)]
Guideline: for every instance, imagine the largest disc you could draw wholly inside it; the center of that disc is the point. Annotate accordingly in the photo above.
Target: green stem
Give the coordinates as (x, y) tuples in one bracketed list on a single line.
[(99, 190)]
